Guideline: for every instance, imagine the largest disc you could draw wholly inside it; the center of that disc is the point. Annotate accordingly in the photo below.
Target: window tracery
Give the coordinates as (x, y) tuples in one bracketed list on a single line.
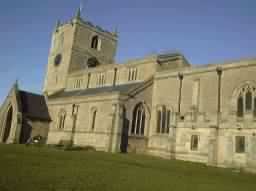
[(138, 120), (163, 120), (62, 118), (246, 100)]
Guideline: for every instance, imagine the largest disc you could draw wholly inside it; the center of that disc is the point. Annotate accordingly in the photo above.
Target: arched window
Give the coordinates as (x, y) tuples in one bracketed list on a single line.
[(62, 118), (246, 100), (94, 115), (138, 120), (96, 43), (163, 120)]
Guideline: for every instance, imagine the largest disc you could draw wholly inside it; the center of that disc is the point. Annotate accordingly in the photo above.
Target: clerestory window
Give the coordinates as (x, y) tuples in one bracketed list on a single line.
[(132, 74)]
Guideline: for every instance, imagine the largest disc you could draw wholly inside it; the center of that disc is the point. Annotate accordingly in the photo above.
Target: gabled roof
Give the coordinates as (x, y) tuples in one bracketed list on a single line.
[(33, 105), (125, 88)]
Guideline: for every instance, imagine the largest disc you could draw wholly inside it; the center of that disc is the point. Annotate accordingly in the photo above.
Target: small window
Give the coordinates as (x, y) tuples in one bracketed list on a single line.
[(194, 142), (61, 119), (240, 144), (96, 43)]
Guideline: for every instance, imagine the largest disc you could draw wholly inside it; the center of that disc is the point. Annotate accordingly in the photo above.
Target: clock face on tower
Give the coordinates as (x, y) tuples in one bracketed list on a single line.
[(57, 59)]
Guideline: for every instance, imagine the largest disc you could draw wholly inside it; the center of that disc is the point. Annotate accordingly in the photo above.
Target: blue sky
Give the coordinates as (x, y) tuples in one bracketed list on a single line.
[(205, 31)]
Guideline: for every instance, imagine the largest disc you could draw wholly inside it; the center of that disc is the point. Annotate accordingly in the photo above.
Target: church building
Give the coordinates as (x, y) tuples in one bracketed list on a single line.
[(158, 105)]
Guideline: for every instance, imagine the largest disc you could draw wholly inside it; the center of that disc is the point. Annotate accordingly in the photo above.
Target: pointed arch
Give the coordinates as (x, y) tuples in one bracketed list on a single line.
[(243, 99), (138, 120)]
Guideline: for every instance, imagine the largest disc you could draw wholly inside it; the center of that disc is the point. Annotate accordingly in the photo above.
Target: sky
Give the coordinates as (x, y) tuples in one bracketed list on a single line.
[(205, 31)]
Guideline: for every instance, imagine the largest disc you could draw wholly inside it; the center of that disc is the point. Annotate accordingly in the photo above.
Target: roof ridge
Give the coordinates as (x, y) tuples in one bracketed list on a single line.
[(32, 93)]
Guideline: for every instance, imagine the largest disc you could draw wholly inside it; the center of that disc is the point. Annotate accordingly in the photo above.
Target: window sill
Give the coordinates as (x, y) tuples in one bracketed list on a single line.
[(138, 136), (240, 153), (194, 151)]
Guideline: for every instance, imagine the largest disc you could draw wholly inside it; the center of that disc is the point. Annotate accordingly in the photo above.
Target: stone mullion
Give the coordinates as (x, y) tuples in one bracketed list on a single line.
[(244, 102), (161, 121), (141, 116), (167, 120), (136, 121)]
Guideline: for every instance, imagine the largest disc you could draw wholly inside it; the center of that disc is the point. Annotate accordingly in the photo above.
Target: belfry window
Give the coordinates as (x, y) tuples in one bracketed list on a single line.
[(246, 100), (61, 119), (138, 120), (163, 120), (96, 43)]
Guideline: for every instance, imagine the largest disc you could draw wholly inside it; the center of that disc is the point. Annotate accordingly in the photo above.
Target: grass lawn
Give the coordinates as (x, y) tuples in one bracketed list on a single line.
[(36, 169)]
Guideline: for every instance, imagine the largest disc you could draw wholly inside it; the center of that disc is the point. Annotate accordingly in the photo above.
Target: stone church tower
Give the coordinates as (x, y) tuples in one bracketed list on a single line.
[(77, 45)]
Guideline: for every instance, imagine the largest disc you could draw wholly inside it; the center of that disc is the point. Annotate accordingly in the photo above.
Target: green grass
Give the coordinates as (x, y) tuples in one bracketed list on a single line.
[(36, 169)]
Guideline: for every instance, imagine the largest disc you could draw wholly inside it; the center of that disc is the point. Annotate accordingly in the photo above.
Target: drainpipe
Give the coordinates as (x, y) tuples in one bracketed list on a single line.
[(219, 73), (173, 146), (114, 81), (180, 76)]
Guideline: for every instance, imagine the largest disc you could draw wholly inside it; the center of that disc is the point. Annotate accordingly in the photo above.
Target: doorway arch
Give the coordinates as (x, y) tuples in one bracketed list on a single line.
[(8, 124)]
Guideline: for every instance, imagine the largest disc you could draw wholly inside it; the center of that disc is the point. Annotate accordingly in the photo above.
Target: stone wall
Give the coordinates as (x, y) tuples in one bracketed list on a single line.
[(83, 134)]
